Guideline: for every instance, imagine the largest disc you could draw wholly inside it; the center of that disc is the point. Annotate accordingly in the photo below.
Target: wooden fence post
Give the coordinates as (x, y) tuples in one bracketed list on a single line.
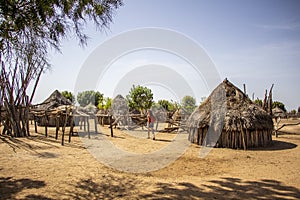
[(111, 127)]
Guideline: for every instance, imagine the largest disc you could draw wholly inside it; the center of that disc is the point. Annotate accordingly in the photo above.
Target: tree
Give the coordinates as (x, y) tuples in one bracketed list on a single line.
[(165, 104), (140, 98), (89, 97), (258, 102), (27, 30), (105, 104), (279, 105), (188, 103), (69, 95), (293, 112), (299, 109)]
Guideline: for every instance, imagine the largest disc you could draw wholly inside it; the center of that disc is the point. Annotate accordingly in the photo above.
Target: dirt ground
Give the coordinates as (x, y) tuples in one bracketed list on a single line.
[(39, 167)]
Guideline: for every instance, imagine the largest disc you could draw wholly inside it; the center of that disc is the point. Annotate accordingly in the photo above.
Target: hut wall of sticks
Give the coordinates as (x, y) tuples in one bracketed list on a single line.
[(228, 118)]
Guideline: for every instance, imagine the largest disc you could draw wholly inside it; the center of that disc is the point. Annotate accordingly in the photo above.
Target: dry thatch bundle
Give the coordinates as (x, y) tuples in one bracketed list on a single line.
[(228, 118), (53, 101)]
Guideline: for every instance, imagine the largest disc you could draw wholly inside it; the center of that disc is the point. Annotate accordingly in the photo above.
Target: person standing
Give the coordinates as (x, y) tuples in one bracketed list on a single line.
[(150, 123)]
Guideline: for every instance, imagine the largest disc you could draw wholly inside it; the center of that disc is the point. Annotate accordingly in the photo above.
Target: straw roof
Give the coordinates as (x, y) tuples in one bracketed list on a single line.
[(119, 106), (278, 112), (228, 105), (55, 100)]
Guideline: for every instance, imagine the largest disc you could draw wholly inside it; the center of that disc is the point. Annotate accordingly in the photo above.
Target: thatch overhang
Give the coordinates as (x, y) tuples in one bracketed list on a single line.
[(234, 113), (55, 100)]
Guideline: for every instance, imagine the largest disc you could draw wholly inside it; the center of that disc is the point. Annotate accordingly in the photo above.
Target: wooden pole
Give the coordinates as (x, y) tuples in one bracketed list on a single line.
[(96, 122), (57, 126), (64, 127), (84, 124), (88, 126), (243, 136), (71, 128), (35, 125), (46, 125), (111, 127)]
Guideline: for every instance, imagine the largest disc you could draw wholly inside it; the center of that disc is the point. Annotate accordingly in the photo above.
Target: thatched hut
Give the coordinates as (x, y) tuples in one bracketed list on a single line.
[(278, 112), (120, 111), (55, 103), (180, 115), (228, 118)]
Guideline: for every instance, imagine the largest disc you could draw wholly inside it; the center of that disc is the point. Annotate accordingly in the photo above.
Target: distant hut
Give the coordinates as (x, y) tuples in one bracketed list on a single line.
[(180, 115), (120, 111), (278, 112), (91, 108), (239, 122)]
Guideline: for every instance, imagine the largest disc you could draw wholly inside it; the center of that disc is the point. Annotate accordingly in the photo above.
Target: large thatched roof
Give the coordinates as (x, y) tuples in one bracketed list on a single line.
[(230, 106), (53, 101)]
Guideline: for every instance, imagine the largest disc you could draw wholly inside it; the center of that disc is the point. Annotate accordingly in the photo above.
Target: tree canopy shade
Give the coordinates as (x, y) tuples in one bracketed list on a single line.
[(139, 98), (28, 28)]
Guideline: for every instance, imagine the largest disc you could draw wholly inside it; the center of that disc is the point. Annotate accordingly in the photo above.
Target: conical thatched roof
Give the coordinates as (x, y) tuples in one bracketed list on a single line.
[(278, 112), (239, 109), (53, 101), (119, 106)]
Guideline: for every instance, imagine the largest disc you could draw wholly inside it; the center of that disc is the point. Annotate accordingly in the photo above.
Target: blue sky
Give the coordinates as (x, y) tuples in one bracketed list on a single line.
[(253, 42)]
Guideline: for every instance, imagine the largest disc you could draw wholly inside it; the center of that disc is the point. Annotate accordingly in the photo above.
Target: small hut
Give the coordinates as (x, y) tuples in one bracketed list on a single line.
[(180, 115), (228, 118), (120, 111), (53, 105), (278, 112)]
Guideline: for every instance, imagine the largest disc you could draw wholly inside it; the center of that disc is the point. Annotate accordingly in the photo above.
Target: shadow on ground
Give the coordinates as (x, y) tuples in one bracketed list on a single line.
[(109, 187), (112, 187), (225, 188), (33, 144), (10, 187), (276, 145)]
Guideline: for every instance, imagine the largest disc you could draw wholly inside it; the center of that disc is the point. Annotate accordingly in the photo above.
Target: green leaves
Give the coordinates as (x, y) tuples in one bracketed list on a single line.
[(69, 95), (279, 105), (140, 98), (188, 104), (50, 20), (89, 97)]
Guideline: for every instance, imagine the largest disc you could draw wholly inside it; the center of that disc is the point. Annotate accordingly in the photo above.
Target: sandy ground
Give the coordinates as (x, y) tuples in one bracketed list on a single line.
[(38, 167)]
